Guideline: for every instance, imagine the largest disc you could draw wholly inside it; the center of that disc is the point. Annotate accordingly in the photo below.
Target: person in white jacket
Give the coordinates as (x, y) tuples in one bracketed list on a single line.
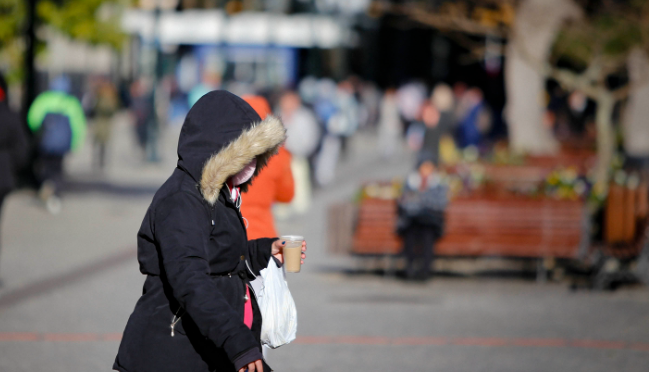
[(303, 136), (389, 124)]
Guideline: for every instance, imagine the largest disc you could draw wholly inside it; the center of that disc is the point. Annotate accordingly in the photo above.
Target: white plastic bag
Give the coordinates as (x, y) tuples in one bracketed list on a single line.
[(278, 312)]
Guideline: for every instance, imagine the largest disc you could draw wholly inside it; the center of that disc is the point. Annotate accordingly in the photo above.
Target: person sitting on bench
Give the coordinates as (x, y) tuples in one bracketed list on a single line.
[(421, 217)]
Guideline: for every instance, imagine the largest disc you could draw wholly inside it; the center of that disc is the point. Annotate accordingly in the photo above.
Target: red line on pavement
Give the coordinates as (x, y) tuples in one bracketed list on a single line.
[(539, 342), (365, 340), (361, 340), (71, 337), (639, 346), (477, 341), (111, 337), (420, 341), (19, 336), (598, 344), (313, 340)]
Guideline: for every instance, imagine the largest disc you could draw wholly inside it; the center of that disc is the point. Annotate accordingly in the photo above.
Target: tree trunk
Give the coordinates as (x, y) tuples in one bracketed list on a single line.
[(635, 125), (605, 135), (534, 30)]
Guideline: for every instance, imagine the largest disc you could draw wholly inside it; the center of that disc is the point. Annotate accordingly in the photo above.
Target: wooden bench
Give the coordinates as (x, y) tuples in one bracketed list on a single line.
[(481, 226), (626, 213), (581, 159), (492, 222)]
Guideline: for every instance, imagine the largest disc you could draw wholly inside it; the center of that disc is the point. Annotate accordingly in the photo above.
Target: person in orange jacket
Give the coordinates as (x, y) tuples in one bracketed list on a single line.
[(273, 184)]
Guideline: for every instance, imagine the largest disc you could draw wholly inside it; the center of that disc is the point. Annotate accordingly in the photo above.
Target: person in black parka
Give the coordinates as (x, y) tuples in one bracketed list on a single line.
[(193, 247)]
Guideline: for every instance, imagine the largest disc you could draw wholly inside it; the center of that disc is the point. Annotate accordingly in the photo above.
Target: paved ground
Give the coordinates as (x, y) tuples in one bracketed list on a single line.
[(71, 281)]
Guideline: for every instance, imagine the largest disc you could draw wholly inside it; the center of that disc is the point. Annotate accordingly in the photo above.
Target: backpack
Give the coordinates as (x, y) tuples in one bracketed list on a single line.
[(55, 135)]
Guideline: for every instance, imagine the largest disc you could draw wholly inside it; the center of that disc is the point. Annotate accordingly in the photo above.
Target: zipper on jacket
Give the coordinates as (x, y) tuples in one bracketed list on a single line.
[(175, 320), (250, 270), (237, 208), (252, 290)]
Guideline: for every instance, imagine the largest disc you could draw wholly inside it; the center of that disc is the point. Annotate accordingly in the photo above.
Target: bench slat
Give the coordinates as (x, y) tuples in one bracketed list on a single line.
[(479, 226)]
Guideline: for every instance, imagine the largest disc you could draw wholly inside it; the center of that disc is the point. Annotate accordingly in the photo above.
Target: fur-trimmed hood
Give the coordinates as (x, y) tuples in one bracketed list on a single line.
[(222, 134)]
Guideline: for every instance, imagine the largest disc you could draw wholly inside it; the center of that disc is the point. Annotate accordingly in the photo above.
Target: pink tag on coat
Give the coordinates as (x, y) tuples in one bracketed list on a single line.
[(247, 310)]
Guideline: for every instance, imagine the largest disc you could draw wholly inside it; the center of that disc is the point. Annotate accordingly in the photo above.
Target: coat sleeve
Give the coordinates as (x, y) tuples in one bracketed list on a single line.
[(77, 122), (181, 237), (259, 252)]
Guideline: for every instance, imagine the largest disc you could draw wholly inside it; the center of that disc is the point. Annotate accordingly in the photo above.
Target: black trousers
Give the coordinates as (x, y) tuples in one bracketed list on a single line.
[(50, 168), (419, 250)]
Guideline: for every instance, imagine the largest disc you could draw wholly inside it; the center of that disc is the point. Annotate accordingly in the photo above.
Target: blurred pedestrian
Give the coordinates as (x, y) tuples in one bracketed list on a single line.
[(340, 126), (346, 120), (59, 123), (302, 139), (273, 184), (476, 120), (106, 104), (421, 218), (210, 80), (146, 125), (410, 98), (324, 104), (197, 312), (444, 101), (579, 110), (370, 101), (430, 117), (389, 124), (308, 89), (13, 146), (459, 91)]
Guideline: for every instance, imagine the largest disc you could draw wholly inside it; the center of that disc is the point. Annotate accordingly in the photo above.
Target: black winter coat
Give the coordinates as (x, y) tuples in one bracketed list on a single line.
[(13, 147), (193, 247)]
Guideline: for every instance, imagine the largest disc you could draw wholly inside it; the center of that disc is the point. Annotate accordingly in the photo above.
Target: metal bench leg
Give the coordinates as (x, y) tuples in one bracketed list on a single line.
[(541, 271), (361, 265), (390, 266), (642, 265), (543, 268)]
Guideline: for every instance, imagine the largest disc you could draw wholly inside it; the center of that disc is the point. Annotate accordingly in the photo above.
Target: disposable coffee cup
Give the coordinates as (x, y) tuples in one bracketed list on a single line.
[(292, 253)]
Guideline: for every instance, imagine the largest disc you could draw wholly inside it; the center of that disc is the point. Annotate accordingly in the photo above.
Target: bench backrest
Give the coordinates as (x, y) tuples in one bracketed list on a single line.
[(482, 227)]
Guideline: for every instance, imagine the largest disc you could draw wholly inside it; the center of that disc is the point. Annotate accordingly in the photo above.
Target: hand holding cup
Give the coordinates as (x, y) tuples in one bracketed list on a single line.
[(290, 250)]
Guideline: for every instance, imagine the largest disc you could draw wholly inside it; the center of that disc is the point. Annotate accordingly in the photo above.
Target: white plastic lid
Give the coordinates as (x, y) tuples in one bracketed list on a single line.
[(293, 238)]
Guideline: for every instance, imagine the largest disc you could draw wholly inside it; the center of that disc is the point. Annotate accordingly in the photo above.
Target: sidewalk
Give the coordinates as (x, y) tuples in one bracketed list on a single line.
[(71, 281)]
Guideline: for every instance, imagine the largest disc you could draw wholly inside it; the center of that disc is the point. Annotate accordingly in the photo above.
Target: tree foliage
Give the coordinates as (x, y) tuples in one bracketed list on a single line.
[(598, 46), (12, 14), (606, 33), (93, 21)]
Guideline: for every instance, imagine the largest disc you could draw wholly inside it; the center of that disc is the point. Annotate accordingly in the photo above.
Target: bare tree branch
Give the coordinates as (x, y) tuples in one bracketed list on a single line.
[(591, 81), (444, 22), (571, 80), (622, 93)]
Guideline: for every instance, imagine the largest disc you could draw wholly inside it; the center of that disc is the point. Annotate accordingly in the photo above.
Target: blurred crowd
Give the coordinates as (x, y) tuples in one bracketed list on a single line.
[(320, 114), (447, 128)]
